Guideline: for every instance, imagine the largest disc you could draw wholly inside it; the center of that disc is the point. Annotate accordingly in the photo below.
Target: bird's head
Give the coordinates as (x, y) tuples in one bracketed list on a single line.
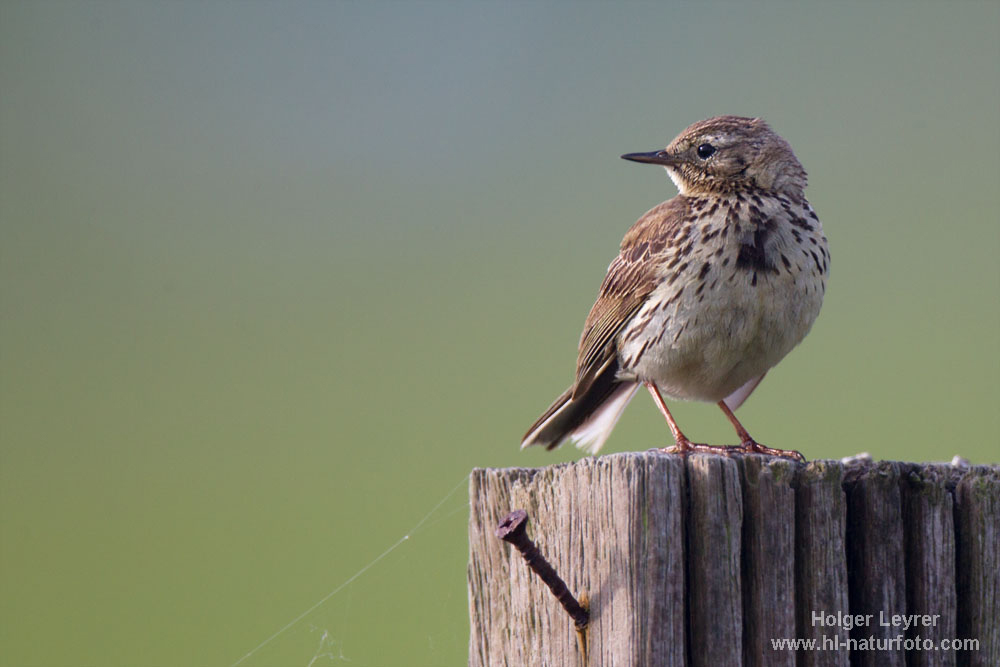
[(728, 153)]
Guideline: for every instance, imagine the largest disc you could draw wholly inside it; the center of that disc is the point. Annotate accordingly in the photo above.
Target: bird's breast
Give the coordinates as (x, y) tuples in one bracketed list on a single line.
[(747, 291)]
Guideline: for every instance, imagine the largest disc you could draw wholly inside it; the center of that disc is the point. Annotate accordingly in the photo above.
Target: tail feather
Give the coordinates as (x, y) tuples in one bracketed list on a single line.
[(586, 420), (735, 399)]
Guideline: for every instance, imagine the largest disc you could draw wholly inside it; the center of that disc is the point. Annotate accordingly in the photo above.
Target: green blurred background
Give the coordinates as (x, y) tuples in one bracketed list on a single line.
[(275, 277)]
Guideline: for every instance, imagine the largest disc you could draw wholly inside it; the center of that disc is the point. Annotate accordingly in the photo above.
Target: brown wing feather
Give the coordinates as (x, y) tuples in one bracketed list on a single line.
[(630, 279)]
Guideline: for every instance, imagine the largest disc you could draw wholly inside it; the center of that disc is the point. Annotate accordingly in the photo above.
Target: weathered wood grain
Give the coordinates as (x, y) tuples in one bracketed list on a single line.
[(714, 518), (821, 563), (929, 545), (627, 558), (706, 560), (768, 544), (876, 572), (977, 512)]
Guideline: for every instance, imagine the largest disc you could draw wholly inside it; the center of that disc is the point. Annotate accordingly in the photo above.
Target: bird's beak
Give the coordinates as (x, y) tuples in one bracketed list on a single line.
[(656, 157)]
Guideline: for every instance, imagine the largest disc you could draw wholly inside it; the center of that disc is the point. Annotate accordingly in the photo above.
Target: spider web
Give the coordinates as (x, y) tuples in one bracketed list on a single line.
[(331, 649)]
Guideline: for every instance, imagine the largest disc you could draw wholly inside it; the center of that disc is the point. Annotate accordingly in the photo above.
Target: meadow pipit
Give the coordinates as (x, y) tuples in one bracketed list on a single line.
[(710, 290)]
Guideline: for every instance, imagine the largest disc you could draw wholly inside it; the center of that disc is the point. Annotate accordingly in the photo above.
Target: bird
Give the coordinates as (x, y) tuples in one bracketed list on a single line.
[(709, 291)]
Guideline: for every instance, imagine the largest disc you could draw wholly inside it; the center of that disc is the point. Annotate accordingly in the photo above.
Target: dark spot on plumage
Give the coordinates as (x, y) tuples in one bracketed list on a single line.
[(672, 299), (673, 232), (712, 209), (725, 232), (812, 239), (752, 254), (677, 273), (674, 261), (719, 250), (784, 260), (704, 270), (812, 214), (753, 281), (797, 235), (756, 199), (725, 262), (714, 283), (801, 223), (815, 258), (758, 220)]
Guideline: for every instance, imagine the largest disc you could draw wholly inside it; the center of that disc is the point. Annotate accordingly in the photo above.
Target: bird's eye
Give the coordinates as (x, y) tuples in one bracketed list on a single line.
[(705, 151)]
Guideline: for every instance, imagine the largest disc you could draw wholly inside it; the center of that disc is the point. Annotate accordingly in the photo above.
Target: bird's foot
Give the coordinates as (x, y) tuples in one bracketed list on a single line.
[(751, 446), (685, 447)]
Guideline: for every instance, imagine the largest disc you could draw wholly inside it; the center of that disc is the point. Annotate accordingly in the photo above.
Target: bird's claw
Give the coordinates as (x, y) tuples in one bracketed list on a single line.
[(751, 446), (685, 447)]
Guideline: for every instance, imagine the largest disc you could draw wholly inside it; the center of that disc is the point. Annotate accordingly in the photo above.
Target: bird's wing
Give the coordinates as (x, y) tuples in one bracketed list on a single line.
[(631, 277)]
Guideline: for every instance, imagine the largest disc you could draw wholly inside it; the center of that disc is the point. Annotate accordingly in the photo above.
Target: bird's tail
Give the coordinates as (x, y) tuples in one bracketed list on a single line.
[(585, 420)]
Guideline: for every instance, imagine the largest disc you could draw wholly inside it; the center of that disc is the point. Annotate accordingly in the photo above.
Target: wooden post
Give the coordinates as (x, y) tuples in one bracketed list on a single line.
[(876, 573), (821, 563), (714, 518), (977, 533), (929, 544), (713, 560), (627, 560), (768, 558)]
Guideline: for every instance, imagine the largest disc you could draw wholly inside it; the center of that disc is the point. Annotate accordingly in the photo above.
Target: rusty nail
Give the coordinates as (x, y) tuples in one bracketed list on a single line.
[(513, 530)]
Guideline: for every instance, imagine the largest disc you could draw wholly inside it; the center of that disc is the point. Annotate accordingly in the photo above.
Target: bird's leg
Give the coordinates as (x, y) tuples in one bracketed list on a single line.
[(683, 446), (751, 446)]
